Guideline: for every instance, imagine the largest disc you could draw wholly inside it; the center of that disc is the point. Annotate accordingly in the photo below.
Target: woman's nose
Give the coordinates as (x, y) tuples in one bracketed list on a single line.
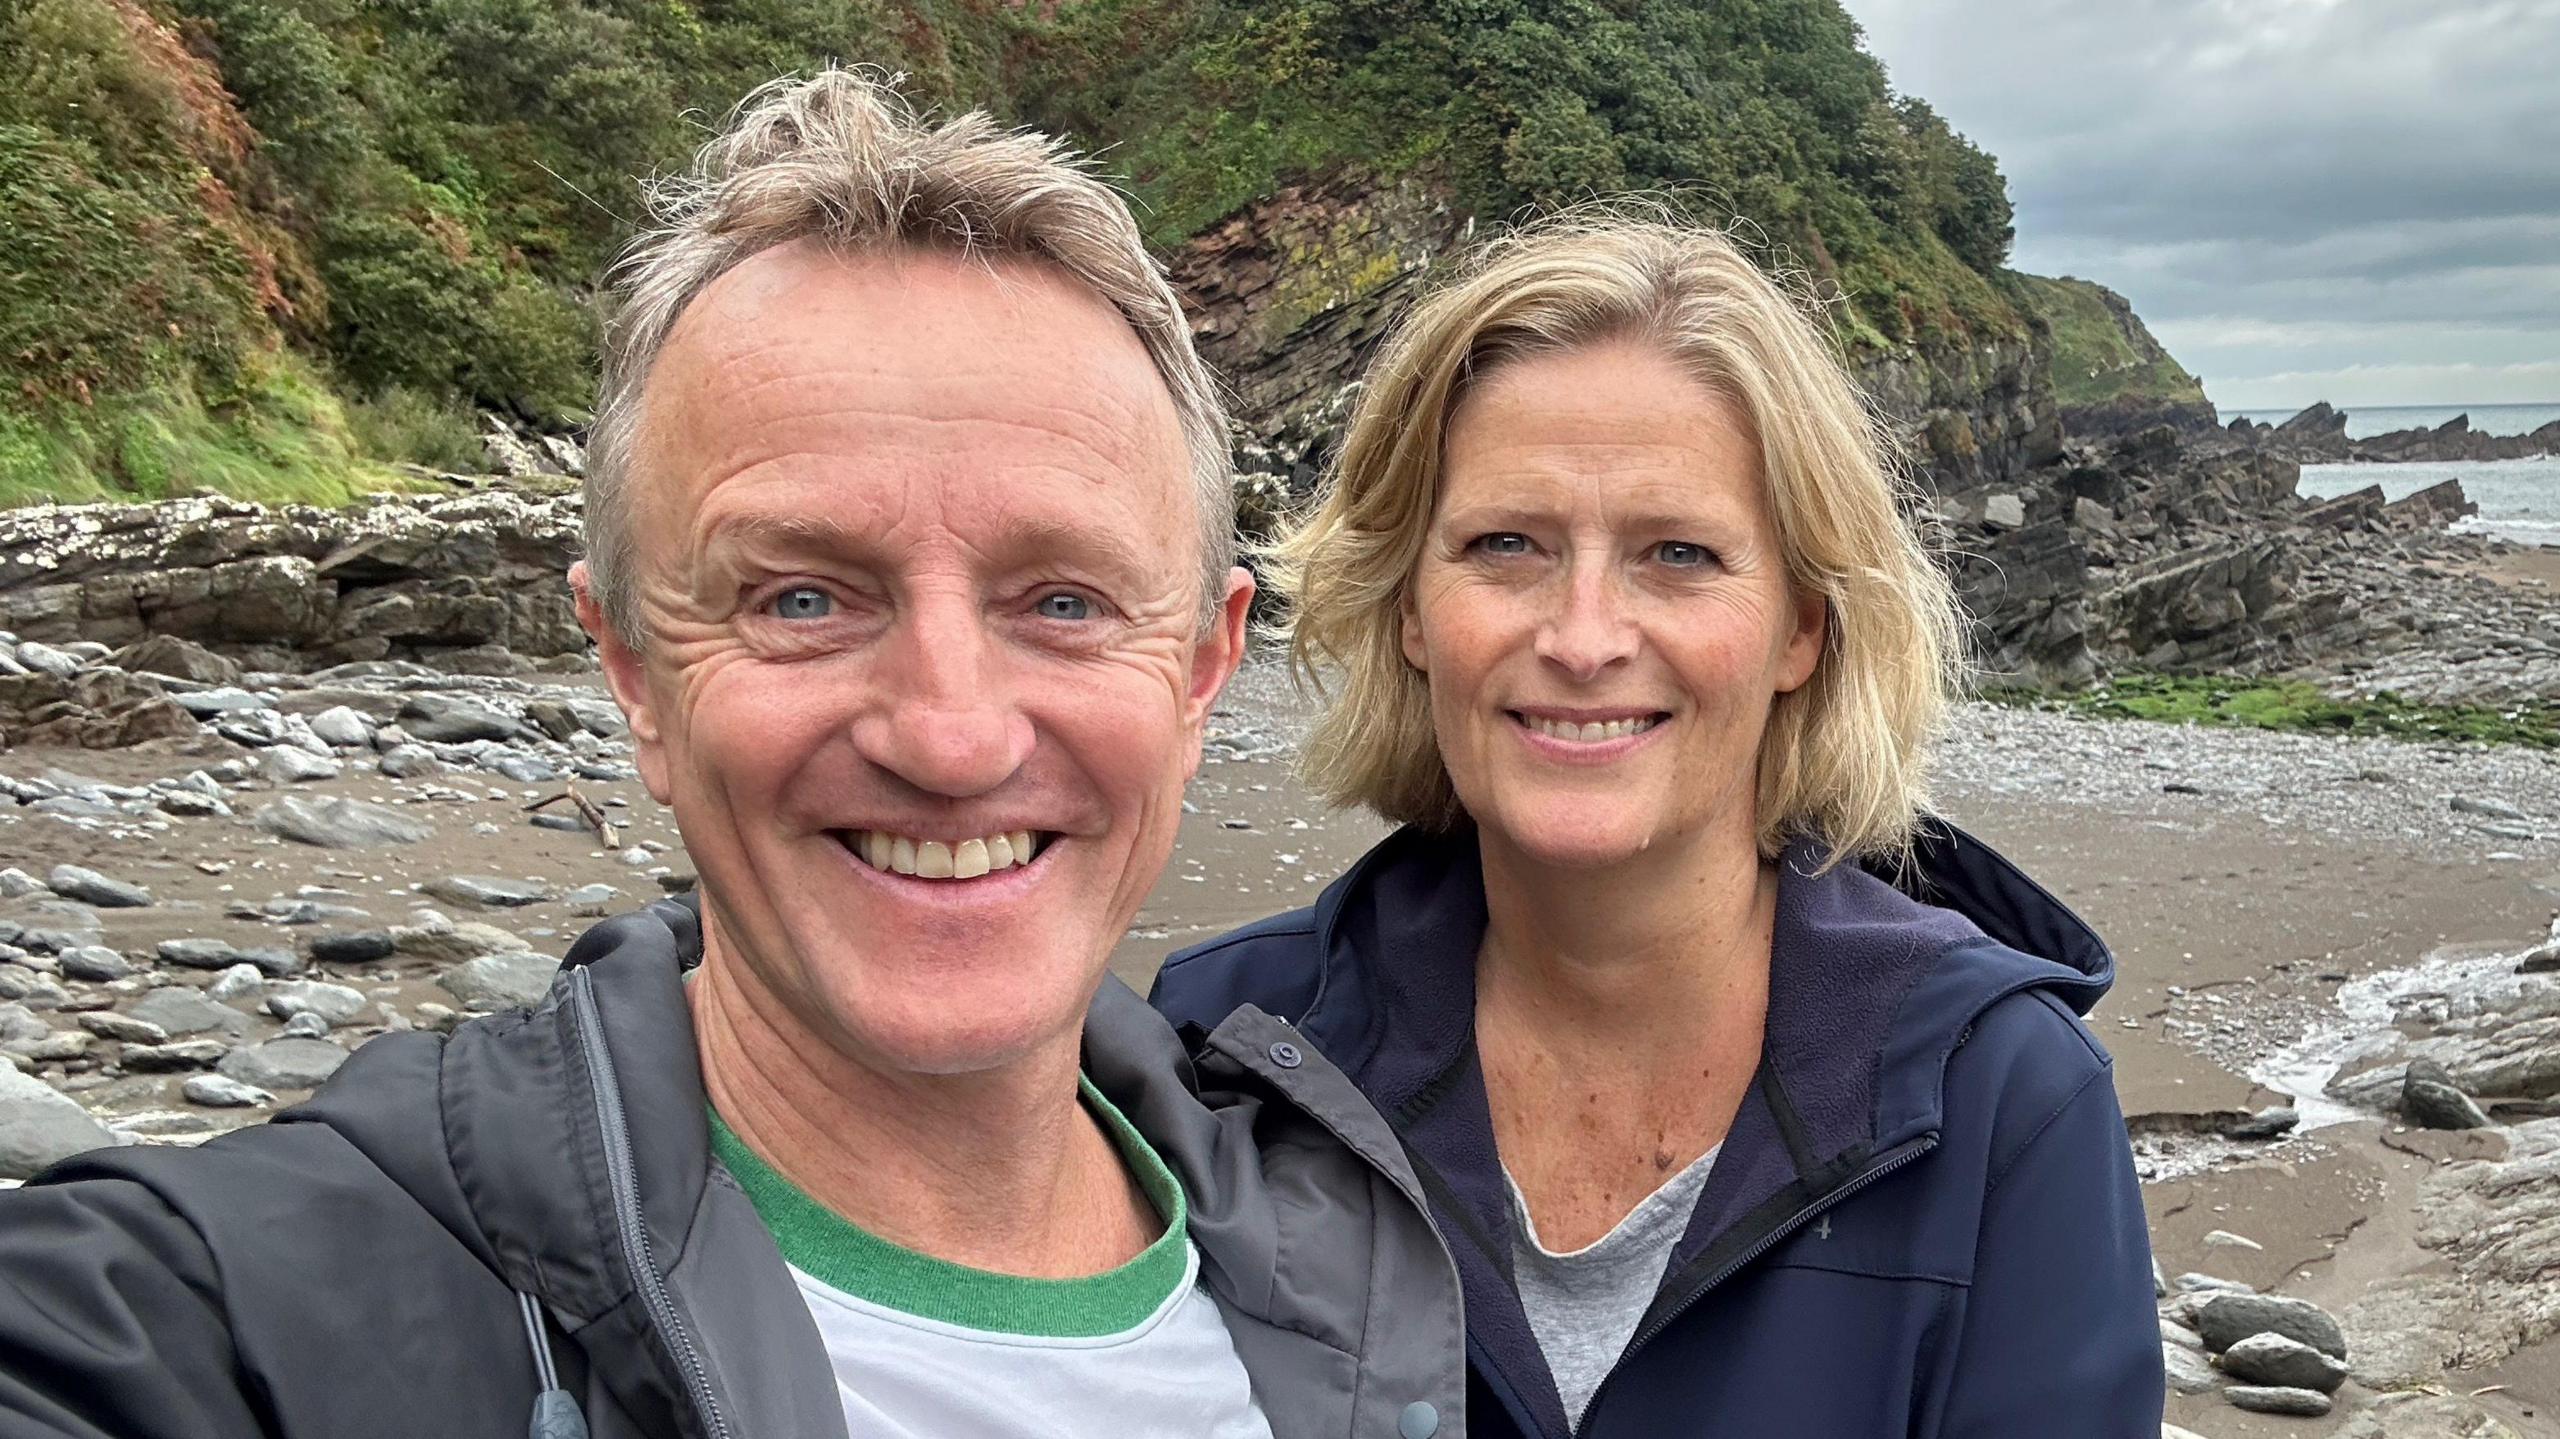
[(1593, 629)]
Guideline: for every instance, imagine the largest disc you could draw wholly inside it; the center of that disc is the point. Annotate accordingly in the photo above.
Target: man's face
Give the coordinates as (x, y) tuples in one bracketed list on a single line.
[(919, 572)]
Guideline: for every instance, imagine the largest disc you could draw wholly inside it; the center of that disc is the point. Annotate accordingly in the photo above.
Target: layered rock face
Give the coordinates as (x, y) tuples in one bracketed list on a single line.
[(469, 583)]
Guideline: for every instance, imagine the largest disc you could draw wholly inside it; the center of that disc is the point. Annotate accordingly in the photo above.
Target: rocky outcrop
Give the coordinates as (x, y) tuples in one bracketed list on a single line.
[(2110, 375), (473, 582), (2318, 435), (1967, 412)]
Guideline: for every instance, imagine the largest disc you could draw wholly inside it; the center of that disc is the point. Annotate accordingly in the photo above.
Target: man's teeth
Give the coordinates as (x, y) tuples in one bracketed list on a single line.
[(933, 859), (1591, 733)]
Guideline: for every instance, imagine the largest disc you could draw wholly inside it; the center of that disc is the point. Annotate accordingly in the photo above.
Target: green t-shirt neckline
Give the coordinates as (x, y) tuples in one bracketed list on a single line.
[(834, 1250)]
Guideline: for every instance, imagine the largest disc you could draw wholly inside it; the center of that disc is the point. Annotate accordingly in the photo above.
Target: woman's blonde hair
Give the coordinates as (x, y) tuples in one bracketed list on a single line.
[(1844, 758)]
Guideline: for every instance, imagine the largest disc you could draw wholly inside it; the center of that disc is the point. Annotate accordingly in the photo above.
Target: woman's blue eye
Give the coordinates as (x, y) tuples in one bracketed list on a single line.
[(1504, 544), (1065, 606), (1680, 554), (803, 602)]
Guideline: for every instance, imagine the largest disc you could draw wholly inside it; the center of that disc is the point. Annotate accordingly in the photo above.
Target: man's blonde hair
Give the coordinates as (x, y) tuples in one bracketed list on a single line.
[(841, 158), (1844, 758)]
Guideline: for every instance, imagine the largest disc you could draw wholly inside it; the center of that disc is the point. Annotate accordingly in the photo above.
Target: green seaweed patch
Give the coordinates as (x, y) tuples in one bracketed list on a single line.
[(2293, 705)]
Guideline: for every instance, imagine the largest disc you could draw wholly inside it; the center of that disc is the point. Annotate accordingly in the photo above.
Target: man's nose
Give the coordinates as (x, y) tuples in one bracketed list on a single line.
[(950, 726), (1593, 628)]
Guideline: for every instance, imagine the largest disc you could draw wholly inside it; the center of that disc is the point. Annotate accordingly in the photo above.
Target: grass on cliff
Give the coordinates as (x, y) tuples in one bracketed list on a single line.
[(2294, 705), (282, 439), (2096, 358)]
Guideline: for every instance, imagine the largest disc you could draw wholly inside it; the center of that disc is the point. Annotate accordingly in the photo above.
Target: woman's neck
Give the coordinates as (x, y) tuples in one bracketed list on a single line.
[(1633, 956)]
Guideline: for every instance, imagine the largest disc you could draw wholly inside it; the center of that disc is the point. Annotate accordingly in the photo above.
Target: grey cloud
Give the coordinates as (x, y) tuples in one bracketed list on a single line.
[(2286, 188)]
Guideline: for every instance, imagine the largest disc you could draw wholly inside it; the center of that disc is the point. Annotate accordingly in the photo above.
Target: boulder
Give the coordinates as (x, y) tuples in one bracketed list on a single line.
[(177, 658), (340, 823), (39, 1125)]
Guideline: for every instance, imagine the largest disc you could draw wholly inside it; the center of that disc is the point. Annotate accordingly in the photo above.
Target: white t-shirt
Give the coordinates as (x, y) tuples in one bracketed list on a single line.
[(925, 1349)]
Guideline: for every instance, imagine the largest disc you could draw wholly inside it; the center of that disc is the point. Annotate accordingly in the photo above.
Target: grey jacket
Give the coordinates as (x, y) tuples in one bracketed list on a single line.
[(454, 1228)]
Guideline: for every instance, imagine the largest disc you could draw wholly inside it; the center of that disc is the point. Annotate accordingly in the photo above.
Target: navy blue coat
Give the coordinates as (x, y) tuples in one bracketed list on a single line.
[(1924, 1221)]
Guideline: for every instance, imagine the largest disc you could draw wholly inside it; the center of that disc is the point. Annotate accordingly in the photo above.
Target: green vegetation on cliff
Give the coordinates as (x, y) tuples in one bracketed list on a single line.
[(245, 242), (2103, 355)]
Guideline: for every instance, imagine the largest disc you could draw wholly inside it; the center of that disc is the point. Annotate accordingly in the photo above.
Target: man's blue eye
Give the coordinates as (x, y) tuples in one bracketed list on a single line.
[(804, 602), (1680, 554), (1504, 544), (1065, 606)]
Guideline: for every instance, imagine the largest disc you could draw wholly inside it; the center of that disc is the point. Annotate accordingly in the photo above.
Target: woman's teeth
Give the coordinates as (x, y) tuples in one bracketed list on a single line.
[(933, 859), (1590, 733)]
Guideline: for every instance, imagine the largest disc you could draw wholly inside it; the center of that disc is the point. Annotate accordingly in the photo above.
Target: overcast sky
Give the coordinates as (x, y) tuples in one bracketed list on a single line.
[(2349, 200)]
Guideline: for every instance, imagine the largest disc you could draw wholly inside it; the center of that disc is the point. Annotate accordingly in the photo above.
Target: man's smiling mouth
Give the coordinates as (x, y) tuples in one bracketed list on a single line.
[(943, 859)]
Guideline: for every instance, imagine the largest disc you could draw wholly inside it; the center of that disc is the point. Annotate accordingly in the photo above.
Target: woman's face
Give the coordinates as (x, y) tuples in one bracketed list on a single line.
[(1602, 609)]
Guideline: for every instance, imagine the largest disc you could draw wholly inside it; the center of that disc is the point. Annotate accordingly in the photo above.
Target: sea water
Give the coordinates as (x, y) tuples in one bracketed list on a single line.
[(2519, 500)]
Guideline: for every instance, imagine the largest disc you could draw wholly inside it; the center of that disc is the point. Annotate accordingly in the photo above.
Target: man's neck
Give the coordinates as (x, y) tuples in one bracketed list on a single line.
[(1003, 1170)]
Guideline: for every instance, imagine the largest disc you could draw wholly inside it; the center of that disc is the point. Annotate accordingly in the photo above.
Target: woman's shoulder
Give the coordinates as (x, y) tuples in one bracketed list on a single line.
[(1271, 963)]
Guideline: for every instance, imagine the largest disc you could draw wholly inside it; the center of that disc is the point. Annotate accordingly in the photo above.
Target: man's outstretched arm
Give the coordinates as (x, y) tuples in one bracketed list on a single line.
[(112, 1322)]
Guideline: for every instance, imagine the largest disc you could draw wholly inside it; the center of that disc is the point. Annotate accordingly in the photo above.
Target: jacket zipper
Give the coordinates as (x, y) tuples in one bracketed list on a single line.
[(1793, 1222), (619, 1178)]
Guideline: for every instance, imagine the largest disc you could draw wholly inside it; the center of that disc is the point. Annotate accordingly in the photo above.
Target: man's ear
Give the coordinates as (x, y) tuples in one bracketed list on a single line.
[(628, 678), (1219, 651)]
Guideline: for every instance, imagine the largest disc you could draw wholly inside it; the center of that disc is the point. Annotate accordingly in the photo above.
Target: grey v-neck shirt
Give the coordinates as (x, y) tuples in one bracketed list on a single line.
[(1584, 1306)]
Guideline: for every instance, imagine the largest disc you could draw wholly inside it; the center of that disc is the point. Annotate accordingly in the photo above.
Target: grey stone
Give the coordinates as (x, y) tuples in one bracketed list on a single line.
[(447, 719), (2430, 1104), (487, 891), (363, 946), (522, 768), (67, 806), (45, 659), (285, 764), (18, 884), (333, 1003), (565, 823), (72, 881), (2487, 808), (2425, 1416), (346, 728), (192, 804), (305, 1025), (177, 658), (2226, 1319), (2258, 1399), (180, 1010), (225, 700), (218, 1091), (410, 761), (295, 1063), (2272, 1359), (95, 963), (240, 981), (442, 940), (123, 1028), (2189, 1371), (500, 981), (38, 1126), (33, 990), (553, 717), (173, 1057), (340, 823), (591, 899), (222, 954), (2005, 512)]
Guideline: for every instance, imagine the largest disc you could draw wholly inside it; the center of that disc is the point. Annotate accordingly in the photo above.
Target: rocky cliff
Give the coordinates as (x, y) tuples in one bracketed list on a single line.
[(2108, 374), (2318, 435)]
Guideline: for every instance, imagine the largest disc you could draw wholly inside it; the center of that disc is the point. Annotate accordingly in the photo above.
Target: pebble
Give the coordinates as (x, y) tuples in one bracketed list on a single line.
[(446, 719), (220, 700), (305, 1025), (2274, 1360), (240, 981), (487, 891), (2225, 1239), (409, 761), (332, 1004), (95, 963), (500, 981), (173, 1057), (2303, 1403), (343, 727), (72, 881), (39, 1125), (181, 1010), (222, 954), (123, 1028), (2226, 1319), (220, 1091), (287, 765), (18, 884), (591, 900), (359, 947), (340, 823), (282, 1063)]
